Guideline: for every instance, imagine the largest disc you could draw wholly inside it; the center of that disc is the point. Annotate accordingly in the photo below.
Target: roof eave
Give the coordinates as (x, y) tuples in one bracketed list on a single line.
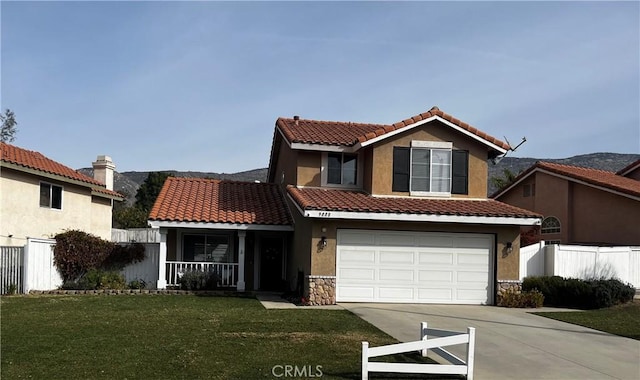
[(427, 120), (433, 218), (218, 226), (57, 177)]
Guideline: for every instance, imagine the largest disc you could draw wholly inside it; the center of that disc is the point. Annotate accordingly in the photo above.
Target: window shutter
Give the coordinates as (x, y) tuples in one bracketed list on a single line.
[(401, 164), (460, 172)]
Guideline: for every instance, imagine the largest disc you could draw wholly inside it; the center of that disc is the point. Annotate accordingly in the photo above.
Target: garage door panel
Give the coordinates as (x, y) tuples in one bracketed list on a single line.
[(397, 257), (435, 267), (393, 294), (472, 277), (425, 257), (395, 240), (428, 276), (435, 294), (358, 256), (436, 241), (396, 275), (358, 274), (473, 259), (356, 293), (472, 242), (356, 238)]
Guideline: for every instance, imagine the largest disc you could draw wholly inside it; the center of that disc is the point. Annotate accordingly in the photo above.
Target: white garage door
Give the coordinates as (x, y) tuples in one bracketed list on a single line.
[(413, 267)]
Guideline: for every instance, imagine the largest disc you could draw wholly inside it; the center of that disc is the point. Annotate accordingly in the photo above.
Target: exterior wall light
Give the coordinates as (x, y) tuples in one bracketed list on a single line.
[(509, 247)]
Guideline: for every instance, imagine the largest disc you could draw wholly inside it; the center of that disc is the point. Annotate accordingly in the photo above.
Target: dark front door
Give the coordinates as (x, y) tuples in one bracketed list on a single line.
[(271, 263)]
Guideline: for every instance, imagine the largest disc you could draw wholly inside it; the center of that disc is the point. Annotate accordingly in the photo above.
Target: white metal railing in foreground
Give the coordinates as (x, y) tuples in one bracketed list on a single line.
[(228, 272), (443, 338)]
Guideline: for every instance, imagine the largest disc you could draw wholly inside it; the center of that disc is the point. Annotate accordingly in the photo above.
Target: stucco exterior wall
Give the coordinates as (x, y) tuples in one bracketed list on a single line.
[(600, 217), (22, 216), (309, 166), (382, 160), (323, 260), (299, 257), (285, 164)]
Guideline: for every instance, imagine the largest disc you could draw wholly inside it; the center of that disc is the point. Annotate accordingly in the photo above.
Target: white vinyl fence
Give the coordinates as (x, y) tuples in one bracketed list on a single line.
[(443, 338), (11, 269), (146, 270), (39, 271), (31, 267), (583, 262)]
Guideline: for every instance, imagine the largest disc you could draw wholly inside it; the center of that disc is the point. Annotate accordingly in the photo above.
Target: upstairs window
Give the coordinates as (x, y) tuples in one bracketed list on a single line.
[(550, 225), (50, 196), (342, 169), (430, 168)]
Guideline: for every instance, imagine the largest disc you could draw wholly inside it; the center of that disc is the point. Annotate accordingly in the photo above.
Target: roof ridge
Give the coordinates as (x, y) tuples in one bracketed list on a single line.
[(334, 121), (202, 179), (575, 167)]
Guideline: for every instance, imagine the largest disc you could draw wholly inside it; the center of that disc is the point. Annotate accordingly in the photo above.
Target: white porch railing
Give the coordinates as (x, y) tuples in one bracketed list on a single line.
[(444, 338), (228, 272)]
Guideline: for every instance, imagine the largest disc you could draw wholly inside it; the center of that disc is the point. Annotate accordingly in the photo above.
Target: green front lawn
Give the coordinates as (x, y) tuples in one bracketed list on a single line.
[(623, 320), (170, 337)]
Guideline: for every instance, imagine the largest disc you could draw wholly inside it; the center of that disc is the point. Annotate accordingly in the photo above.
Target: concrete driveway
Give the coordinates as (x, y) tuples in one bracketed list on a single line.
[(512, 344)]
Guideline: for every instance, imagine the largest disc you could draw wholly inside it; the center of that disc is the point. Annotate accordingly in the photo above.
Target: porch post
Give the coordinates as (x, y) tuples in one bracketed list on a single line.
[(241, 284), (162, 261)]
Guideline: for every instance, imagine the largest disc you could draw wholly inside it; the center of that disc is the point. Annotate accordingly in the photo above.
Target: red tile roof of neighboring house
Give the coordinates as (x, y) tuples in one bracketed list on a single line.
[(357, 201), (629, 168), (596, 177), (349, 134), (37, 161), (218, 201)]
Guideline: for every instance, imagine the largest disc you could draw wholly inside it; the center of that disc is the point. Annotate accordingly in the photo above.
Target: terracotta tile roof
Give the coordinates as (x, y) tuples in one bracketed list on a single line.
[(357, 201), (629, 168), (219, 201), (37, 161), (349, 134), (602, 178)]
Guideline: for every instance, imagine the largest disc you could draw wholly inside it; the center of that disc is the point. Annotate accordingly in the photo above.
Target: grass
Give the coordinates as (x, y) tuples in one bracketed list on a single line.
[(623, 320), (176, 337)]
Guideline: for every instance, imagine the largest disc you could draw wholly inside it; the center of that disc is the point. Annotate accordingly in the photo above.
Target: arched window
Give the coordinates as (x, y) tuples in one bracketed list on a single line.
[(550, 225)]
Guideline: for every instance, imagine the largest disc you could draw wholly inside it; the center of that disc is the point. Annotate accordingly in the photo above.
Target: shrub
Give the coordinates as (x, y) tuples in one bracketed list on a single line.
[(514, 298), (77, 252), (582, 294), (199, 280), (137, 284), (96, 279)]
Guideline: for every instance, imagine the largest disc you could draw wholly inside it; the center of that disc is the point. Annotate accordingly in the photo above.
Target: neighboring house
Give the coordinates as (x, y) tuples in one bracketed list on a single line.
[(370, 212), (40, 198), (580, 205), (631, 171)]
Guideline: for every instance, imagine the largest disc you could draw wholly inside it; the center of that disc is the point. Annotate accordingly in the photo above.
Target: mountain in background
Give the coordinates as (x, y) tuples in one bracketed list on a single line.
[(127, 183)]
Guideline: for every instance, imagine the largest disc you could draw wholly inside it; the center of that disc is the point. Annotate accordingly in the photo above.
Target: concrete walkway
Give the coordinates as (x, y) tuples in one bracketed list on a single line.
[(513, 344), (274, 301)]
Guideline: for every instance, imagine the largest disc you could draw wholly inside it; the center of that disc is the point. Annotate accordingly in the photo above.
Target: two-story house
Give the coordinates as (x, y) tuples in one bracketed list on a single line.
[(375, 213), (40, 197)]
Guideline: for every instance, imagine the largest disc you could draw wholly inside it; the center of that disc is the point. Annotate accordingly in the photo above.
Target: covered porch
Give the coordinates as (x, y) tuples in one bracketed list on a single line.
[(238, 231), (249, 258)]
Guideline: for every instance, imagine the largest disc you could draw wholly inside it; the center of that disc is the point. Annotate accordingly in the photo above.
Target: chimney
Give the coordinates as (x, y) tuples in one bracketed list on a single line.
[(103, 170), (296, 118)]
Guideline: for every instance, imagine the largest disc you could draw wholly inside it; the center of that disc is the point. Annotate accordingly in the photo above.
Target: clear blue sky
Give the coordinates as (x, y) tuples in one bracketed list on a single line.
[(199, 85)]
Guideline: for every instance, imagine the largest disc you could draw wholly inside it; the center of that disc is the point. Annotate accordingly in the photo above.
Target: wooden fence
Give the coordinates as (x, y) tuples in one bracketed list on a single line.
[(136, 235), (443, 338)]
